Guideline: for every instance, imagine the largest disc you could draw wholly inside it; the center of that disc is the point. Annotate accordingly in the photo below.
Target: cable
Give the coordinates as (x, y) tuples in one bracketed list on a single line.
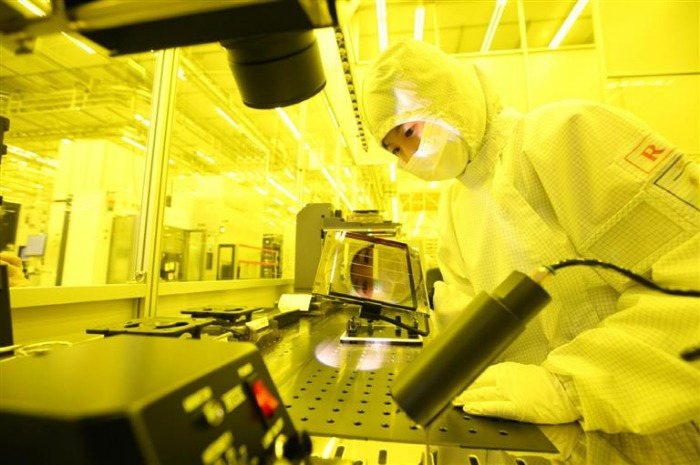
[(633, 276), (424, 333), (371, 311)]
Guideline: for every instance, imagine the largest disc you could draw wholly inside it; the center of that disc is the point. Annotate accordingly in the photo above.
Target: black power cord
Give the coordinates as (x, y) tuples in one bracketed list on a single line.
[(635, 277), (370, 311)]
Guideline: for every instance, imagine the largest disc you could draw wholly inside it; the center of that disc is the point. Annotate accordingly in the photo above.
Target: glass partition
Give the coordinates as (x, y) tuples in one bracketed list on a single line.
[(72, 178), (76, 165), (237, 176)]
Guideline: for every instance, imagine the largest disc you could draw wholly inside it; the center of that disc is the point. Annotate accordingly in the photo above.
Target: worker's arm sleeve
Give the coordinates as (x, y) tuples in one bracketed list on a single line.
[(627, 374), (454, 293), (640, 212)]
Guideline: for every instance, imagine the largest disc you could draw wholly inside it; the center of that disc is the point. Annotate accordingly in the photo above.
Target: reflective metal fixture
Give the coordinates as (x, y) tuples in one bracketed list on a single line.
[(271, 45)]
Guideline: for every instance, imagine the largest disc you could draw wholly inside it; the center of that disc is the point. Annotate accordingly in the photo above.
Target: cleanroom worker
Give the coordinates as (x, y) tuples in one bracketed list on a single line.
[(567, 180)]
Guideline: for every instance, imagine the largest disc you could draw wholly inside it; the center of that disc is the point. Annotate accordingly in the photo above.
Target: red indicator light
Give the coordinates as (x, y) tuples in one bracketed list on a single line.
[(265, 400)]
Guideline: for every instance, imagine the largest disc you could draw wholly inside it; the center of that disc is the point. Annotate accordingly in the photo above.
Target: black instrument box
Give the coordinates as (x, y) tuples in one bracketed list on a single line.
[(133, 399)]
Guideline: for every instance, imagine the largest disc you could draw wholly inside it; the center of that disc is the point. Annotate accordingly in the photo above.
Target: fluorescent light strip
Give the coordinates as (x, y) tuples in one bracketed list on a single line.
[(79, 43), (21, 152), (285, 117), (225, 116), (329, 178), (335, 186), (419, 23), (260, 190), (568, 23), (345, 201), (282, 189), (381, 24), (205, 157), (493, 25), (29, 5), (47, 161), (419, 222), (134, 143), (343, 187), (142, 120), (392, 172)]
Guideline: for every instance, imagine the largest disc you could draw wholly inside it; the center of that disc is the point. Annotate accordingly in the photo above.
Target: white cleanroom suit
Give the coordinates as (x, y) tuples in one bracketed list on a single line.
[(568, 180)]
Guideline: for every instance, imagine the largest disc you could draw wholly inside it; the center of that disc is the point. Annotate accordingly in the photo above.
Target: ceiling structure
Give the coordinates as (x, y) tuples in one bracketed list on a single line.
[(62, 92)]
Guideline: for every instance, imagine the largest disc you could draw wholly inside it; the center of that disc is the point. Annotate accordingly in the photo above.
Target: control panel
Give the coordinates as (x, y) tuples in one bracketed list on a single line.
[(145, 400)]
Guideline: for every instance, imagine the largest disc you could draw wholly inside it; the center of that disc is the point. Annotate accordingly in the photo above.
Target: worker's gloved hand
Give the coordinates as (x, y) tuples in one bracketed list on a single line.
[(519, 392), (448, 302)]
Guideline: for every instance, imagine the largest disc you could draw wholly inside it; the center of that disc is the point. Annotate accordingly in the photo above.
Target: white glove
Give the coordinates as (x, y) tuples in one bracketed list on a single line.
[(519, 392), (448, 302)]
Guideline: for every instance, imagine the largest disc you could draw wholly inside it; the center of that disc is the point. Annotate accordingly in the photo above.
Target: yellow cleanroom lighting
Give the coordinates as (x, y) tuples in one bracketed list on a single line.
[(493, 25), (285, 117), (419, 222), (225, 116), (205, 157), (329, 178), (34, 9), (134, 143), (79, 43), (419, 23), (345, 201), (381, 25), (282, 189), (21, 152), (395, 209), (142, 120), (568, 23)]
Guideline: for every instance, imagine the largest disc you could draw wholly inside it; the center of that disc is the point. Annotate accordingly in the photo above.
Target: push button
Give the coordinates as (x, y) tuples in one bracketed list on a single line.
[(213, 412)]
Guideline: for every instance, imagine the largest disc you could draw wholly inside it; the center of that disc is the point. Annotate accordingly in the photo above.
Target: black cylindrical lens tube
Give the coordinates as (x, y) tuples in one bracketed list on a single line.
[(458, 355)]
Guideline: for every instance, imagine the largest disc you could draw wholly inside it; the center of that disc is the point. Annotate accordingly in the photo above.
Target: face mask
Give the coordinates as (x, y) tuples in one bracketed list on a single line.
[(440, 155)]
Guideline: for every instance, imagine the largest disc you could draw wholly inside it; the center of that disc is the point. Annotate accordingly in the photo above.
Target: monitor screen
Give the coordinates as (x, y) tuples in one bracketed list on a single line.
[(36, 245)]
